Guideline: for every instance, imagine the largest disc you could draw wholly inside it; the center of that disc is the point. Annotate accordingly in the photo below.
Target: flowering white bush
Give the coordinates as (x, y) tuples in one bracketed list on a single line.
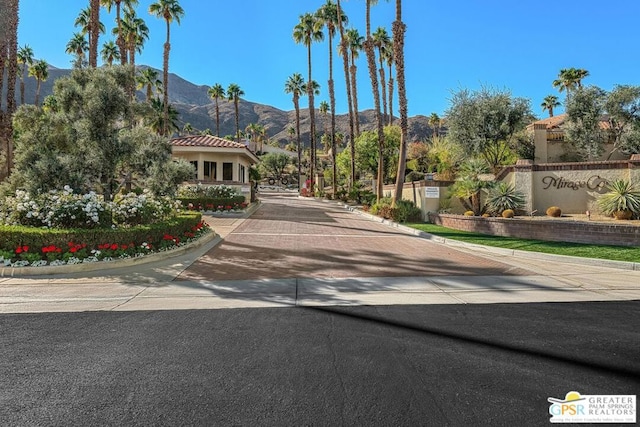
[(56, 209), (213, 191), (133, 209)]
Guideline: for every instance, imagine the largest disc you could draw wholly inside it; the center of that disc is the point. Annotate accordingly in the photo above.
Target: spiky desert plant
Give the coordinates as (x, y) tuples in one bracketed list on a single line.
[(622, 196), (502, 197)]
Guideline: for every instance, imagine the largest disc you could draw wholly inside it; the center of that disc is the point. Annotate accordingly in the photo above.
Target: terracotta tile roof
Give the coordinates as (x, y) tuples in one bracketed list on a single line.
[(557, 122), (205, 141)]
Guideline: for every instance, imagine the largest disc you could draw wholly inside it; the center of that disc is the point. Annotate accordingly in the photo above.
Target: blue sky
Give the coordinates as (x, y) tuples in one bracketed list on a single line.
[(515, 45)]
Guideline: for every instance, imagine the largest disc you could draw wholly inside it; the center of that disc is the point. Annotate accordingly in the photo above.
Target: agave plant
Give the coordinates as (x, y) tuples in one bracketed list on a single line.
[(504, 196), (622, 197)]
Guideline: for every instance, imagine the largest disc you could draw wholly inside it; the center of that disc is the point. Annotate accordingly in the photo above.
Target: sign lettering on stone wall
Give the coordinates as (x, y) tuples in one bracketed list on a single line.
[(595, 182)]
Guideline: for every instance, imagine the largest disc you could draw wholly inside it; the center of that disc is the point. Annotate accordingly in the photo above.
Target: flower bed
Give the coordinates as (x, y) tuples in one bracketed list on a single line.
[(22, 246), (203, 204)]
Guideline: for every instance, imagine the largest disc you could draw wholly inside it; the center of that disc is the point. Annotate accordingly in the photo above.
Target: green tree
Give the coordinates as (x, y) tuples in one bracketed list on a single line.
[(135, 33), (485, 121), (383, 43), (88, 21), (155, 118), (355, 44), (40, 71), (169, 10), (584, 111), (25, 59), (549, 103), (623, 107), (88, 144), (216, 92), (468, 188), (274, 164), (308, 31), (233, 94), (434, 122), (570, 79), (110, 52), (295, 86)]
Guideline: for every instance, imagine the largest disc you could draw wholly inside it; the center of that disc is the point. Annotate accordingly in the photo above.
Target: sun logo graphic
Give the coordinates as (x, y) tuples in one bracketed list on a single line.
[(577, 408)]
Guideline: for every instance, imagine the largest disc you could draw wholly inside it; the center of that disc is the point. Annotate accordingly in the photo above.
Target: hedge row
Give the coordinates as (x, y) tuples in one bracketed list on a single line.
[(12, 237)]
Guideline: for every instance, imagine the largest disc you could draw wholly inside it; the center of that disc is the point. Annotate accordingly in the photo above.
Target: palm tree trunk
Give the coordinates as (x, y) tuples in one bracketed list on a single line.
[(23, 76), (235, 104), (217, 118), (312, 132), (399, 29), (296, 104), (6, 127), (332, 100), (37, 100), (353, 70), (368, 46), (120, 40), (165, 75), (345, 60), (94, 33), (383, 86), (390, 95)]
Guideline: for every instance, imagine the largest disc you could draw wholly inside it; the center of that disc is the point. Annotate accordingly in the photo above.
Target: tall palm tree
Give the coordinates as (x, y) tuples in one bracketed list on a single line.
[(25, 59), (354, 42), (399, 29), (77, 46), (8, 51), (369, 46), (89, 23), (388, 57), (329, 15), (345, 61), (110, 52), (135, 34), (216, 92), (108, 4), (148, 79), (569, 79), (40, 71), (324, 109), (549, 103), (233, 94), (307, 31), (169, 10), (434, 122), (295, 86), (382, 41), (156, 121)]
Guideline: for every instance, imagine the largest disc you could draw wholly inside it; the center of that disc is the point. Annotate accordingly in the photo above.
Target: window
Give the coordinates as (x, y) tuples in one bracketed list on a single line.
[(210, 171), (227, 171), (195, 166), (241, 174)]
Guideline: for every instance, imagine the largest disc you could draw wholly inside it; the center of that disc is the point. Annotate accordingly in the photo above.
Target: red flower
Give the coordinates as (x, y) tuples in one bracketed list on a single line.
[(73, 249), (114, 247)]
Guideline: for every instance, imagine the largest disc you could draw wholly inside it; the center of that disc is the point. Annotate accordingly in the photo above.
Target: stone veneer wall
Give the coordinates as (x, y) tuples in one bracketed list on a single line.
[(550, 230)]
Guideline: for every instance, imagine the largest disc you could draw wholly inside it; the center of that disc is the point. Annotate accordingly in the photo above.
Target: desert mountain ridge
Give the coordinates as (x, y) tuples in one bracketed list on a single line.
[(196, 108)]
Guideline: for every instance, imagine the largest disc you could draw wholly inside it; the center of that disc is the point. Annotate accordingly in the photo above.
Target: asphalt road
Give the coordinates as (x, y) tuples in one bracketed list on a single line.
[(435, 365)]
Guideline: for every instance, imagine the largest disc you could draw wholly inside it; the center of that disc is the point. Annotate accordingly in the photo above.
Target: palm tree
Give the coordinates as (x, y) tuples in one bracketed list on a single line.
[(295, 86), (169, 10), (89, 22), (233, 94), (108, 4), (399, 29), (156, 120), (345, 61), (8, 51), (77, 46), (40, 71), (329, 15), (354, 42), (187, 129), (307, 31), (324, 110), (569, 79), (434, 122), (109, 52), (216, 92), (135, 33), (369, 46), (148, 79), (549, 103), (382, 41), (25, 58), (388, 57)]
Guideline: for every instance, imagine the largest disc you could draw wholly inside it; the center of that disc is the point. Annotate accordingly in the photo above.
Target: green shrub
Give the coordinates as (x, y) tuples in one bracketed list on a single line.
[(406, 210), (383, 204), (212, 204), (554, 211), (621, 197), (504, 196)]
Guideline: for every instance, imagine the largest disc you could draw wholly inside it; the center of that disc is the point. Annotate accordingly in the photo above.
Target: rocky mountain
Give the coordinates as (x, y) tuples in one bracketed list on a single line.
[(195, 107)]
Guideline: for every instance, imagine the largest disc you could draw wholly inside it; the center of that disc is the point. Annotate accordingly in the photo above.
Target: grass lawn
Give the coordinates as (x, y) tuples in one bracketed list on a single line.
[(616, 253)]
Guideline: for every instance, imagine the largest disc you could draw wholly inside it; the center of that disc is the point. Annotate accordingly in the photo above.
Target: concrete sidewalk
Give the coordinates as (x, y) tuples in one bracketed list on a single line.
[(345, 274)]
